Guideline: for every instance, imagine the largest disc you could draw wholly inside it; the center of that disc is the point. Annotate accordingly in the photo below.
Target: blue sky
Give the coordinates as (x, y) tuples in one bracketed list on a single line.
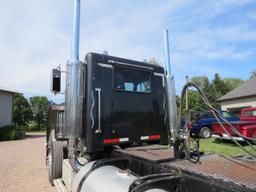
[(206, 37)]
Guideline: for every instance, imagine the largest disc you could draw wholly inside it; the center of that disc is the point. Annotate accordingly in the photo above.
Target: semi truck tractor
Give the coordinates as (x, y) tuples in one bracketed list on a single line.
[(117, 132)]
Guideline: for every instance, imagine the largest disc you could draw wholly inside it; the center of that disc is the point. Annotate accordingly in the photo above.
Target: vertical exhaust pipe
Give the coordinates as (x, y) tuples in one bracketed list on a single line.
[(167, 52), (76, 32), (170, 91), (74, 91)]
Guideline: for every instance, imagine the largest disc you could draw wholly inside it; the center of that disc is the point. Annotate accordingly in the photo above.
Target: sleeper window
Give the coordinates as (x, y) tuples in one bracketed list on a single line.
[(132, 80)]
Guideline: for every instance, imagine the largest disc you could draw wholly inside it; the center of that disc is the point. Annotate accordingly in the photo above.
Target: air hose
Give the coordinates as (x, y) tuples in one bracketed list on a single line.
[(183, 135), (218, 116), (184, 131)]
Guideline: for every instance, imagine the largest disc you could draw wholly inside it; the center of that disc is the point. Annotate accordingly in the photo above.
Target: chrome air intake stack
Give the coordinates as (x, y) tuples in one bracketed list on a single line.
[(74, 90), (170, 90)]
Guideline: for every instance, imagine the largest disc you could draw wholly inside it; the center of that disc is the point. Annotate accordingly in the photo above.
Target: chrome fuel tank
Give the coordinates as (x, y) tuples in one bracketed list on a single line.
[(104, 179)]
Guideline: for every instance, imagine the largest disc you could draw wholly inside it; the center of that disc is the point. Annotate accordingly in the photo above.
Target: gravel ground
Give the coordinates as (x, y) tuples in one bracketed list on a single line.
[(22, 165)]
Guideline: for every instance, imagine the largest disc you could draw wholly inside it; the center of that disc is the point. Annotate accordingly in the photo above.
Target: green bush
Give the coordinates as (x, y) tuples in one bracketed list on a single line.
[(10, 133), (33, 127)]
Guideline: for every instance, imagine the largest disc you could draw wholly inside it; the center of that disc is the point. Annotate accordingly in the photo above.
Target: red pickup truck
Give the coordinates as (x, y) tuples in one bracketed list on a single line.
[(246, 126)]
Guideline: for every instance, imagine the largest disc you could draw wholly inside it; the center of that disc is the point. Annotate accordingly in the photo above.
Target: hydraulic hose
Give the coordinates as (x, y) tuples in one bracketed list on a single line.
[(236, 142), (184, 130), (218, 116), (234, 130)]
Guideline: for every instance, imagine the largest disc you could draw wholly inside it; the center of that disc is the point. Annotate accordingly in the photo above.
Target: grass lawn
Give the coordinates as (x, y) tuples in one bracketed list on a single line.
[(223, 147)]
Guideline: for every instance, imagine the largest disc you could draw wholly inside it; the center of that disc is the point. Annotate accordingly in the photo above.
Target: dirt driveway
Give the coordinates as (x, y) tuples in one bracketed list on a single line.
[(22, 165)]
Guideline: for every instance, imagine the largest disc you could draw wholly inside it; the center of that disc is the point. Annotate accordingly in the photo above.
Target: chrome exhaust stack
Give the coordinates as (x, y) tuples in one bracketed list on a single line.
[(170, 91), (74, 91)]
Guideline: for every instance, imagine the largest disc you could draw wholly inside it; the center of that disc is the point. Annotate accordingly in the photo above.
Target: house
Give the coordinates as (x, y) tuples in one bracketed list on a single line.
[(6, 106), (241, 97)]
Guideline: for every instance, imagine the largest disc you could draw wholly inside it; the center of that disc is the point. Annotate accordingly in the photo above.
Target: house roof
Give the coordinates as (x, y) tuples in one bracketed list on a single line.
[(8, 90), (246, 89)]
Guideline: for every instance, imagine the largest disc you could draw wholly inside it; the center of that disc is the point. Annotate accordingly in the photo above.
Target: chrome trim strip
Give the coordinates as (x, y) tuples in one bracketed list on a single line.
[(165, 111), (132, 65), (105, 65), (161, 75), (99, 110), (91, 112)]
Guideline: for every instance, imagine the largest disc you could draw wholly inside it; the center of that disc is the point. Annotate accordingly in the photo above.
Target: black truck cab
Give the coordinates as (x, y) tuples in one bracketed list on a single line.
[(124, 103)]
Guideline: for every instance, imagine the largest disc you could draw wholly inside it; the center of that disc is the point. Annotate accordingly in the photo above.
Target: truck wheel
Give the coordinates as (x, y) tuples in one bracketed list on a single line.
[(54, 159), (205, 132)]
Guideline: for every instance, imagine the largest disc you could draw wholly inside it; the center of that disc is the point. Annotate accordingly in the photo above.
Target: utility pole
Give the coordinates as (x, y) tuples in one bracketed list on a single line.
[(186, 79)]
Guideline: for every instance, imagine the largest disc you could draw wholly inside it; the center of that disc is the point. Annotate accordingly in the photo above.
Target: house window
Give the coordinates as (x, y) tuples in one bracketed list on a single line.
[(132, 80)]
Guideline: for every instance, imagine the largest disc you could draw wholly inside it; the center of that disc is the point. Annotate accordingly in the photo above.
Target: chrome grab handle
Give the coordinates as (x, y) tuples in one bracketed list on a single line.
[(99, 110)]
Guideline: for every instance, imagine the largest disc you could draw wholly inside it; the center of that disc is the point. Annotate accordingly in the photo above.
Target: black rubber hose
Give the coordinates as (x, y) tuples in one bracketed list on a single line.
[(185, 130), (217, 115), (237, 132), (236, 142), (220, 115)]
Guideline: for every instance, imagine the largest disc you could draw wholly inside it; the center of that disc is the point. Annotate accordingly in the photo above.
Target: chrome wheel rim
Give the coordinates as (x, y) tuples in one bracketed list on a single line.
[(206, 133)]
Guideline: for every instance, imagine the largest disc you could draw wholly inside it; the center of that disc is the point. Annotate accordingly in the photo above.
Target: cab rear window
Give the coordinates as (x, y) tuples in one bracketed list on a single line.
[(226, 114), (250, 113), (132, 80)]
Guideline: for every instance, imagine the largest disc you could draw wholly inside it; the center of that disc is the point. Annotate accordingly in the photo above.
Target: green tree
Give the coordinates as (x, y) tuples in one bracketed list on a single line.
[(213, 90), (22, 112), (232, 83), (253, 74), (201, 81), (204, 84), (194, 101), (39, 105), (217, 88)]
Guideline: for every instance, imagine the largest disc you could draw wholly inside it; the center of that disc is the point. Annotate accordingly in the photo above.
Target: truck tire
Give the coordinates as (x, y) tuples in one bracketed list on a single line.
[(205, 132), (54, 159)]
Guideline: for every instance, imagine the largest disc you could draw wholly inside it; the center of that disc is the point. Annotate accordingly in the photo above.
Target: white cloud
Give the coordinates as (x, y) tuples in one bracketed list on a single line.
[(35, 35)]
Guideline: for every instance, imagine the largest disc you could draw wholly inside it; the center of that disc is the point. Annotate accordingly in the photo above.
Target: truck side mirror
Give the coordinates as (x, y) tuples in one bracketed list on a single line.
[(56, 81)]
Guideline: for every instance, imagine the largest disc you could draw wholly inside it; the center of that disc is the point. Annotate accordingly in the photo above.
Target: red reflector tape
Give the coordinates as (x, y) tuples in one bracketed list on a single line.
[(111, 141), (152, 137), (117, 140)]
